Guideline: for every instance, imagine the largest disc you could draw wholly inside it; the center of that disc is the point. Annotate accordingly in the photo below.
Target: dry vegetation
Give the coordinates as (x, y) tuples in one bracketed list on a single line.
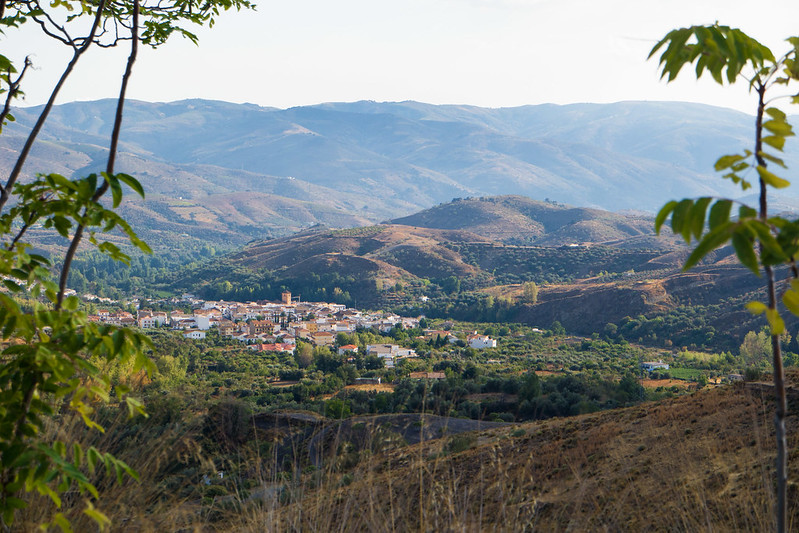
[(696, 463)]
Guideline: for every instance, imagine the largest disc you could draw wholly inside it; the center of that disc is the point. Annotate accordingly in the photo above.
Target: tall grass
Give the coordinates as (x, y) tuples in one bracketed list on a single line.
[(696, 463)]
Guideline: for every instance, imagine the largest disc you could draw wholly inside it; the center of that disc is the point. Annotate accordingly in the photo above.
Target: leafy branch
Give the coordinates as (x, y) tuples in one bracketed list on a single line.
[(760, 242)]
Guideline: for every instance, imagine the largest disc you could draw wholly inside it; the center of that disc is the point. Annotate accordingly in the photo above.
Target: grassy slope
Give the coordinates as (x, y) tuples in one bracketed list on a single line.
[(702, 462)]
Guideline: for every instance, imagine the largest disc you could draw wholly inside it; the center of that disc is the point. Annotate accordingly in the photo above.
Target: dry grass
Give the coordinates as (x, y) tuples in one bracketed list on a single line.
[(655, 383), (377, 387), (698, 463), (702, 462)]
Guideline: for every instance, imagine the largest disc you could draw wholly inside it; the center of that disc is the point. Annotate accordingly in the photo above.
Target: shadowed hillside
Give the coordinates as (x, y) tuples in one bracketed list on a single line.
[(696, 463)]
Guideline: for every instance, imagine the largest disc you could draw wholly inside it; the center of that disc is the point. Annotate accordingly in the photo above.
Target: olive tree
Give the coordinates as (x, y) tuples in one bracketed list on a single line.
[(761, 241), (49, 347)]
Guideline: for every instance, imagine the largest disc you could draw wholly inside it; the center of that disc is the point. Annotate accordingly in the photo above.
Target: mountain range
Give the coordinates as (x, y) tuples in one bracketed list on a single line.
[(229, 173)]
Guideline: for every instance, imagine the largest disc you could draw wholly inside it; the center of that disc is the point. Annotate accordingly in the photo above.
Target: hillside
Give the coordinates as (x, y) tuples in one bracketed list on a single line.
[(458, 242), (230, 173), (521, 220), (698, 462), (695, 463), (617, 273)]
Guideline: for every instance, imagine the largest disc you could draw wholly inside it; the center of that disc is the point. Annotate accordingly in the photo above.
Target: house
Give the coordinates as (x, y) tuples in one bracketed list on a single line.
[(351, 348), (382, 350), (227, 328), (161, 318), (146, 320), (261, 326), (479, 342), (272, 347), (389, 352), (194, 334), (302, 333), (367, 381), (649, 366), (288, 339), (323, 338), (344, 325)]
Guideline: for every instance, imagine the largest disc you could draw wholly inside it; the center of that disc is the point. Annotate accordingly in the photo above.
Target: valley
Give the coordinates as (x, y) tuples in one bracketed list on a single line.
[(332, 336)]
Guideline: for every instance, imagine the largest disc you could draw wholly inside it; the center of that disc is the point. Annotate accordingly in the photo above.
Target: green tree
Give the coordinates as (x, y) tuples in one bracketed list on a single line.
[(303, 354), (337, 408), (760, 241), (48, 362), (530, 292), (755, 349)]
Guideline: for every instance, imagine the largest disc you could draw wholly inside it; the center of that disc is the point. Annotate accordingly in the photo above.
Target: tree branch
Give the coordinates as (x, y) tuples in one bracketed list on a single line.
[(781, 510), (37, 128), (112, 153), (13, 90)]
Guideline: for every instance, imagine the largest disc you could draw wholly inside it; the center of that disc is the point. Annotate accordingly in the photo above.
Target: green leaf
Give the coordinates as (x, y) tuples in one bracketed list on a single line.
[(771, 179), (756, 308), (116, 189), (679, 224), (719, 213), (697, 216), (131, 182), (779, 128), (61, 521), (791, 301), (745, 212), (663, 214), (776, 113), (726, 161), (775, 141), (101, 519), (773, 159), (775, 322), (715, 238), (745, 251)]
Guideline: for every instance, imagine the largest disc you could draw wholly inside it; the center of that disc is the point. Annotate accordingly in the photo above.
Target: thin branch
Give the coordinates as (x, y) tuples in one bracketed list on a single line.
[(65, 38), (73, 246), (13, 90), (37, 128), (781, 507), (21, 232)]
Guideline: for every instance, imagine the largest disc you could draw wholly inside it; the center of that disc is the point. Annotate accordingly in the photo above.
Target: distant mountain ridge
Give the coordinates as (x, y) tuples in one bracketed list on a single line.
[(519, 220), (247, 172)]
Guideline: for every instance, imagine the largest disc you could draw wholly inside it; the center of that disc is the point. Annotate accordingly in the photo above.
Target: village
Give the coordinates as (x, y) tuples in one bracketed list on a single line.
[(277, 326)]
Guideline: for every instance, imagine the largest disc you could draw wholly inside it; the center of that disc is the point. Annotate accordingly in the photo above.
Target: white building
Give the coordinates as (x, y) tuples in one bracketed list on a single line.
[(479, 342), (194, 334)]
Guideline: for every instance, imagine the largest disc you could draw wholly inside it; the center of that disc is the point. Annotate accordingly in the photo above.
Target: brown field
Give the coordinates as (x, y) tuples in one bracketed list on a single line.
[(282, 383), (380, 387), (655, 383)]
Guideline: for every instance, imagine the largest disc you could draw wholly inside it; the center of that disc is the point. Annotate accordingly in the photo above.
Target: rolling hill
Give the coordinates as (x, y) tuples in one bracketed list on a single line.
[(592, 267), (235, 172)]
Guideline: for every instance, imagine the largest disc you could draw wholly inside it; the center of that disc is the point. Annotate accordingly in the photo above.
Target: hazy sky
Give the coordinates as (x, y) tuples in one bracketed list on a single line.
[(493, 53)]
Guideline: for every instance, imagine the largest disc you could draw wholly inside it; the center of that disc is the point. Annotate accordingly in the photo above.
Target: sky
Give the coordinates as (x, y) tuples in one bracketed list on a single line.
[(490, 53)]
